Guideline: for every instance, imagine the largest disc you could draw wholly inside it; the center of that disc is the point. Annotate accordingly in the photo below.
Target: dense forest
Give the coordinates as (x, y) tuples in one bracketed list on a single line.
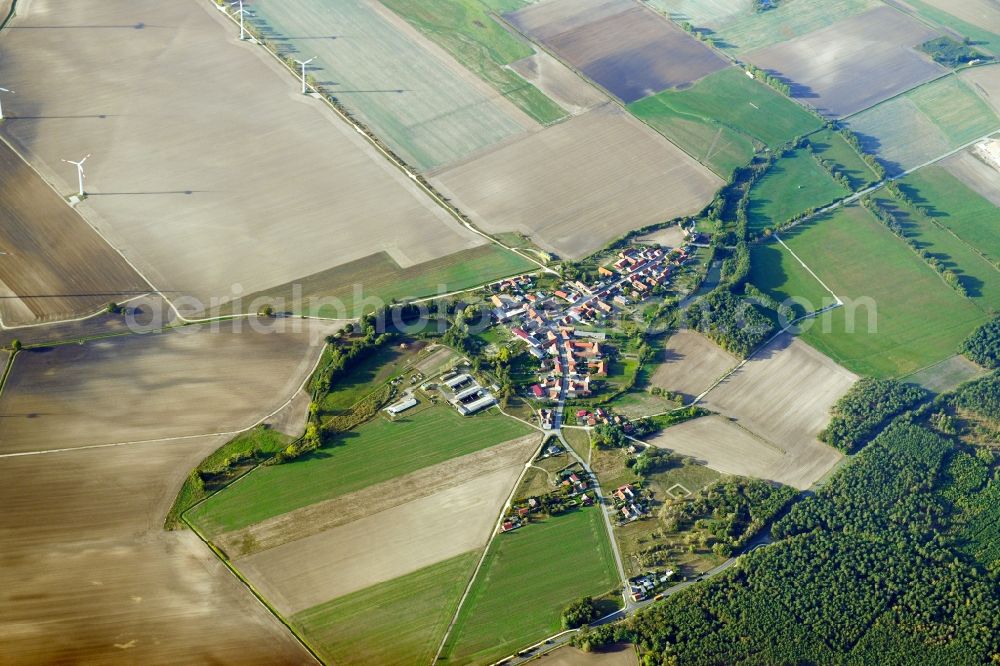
[(890, 562), (736, 324), (865, 408), (983, 346)]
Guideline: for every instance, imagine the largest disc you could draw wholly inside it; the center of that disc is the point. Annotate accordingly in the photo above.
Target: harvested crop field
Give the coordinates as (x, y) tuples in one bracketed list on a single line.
[(783, 394), (692, 363), (924, 124), (985, 80), (89, 575), (267, 206), (559, 82), (373, 499), (973, 171), (411, 93), (853, 64), (577, 185), (739, 28), (627, 49), (379, 547), (977, 20), (53, 266), (947, 375), (191, 381), (613, 655)]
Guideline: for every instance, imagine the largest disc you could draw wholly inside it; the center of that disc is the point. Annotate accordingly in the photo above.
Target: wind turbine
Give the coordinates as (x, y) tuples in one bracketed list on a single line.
[(304, 72), (240, 12), (4, 90), (79, 171)]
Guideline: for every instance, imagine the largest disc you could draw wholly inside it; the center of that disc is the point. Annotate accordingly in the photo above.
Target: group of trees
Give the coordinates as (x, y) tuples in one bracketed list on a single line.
[(736, 324), (983, 346), (867, 571), (580, 612), (866, 408), (342, 358)]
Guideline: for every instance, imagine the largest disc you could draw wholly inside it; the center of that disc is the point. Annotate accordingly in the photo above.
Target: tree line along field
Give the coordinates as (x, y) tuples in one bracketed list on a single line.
[(978, 20), (375, 451), (953, 205), (724, 117), (466, 30), (924, 123), (527, 578), (917, 319)]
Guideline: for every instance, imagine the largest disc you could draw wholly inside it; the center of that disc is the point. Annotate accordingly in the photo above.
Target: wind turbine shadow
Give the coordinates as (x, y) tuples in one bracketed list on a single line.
[(135, 26), (121, 194)]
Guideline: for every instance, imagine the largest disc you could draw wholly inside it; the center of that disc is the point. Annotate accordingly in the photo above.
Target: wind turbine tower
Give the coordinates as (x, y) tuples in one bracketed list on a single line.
[(303, 64), (3, 90), (240, 12), (79, 171)]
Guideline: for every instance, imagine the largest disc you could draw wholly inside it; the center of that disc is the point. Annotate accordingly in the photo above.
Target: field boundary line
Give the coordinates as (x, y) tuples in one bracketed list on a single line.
[(6, 370), (806, 266), (98, 313), (486, 550), (257, 595), (369, 136)]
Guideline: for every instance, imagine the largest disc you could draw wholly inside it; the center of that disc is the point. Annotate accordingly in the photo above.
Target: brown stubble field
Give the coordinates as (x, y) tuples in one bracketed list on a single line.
[(53, 266), (626, 48), (981, 178), (853, 64), (208, 167), (559, 83), (691, 364), (304, 573), (575, 186), (196, 380), (87, 574)]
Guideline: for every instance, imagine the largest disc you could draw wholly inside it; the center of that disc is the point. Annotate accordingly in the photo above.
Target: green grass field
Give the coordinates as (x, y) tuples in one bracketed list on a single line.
[(775, 271), (919, 319), (791, 186), (376, 451), (364, 378), (465, 29), (718, 119), (398, 622), (979, 277), (923, 124), (358, 287), (953, 205), (528, 577), (831, 146)]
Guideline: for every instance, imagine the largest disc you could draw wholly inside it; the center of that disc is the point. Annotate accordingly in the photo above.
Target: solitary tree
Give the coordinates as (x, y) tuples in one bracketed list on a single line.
[(16, 345)]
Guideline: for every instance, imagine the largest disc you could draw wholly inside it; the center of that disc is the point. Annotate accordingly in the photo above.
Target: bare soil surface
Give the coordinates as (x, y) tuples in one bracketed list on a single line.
[(628, 49), (672, 236), (345, 509), (783, 395), (577, 185), (559, 83), (985, 81), (980, 13), (195, 380), (381, 546), (53, 265), (853, 64), (980, 177), (205, 198), (614, 655), (691, 364), (87, 574)]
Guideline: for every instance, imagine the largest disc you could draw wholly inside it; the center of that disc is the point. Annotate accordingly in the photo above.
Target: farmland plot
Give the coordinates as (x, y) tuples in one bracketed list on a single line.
[(924, 124), (692, 363), (985, 81), (89, 576), (738, 27), (267, 206), (301, 574), (977, 20), (577, 185), (852, 64), (783, 395), (53, 264), (191, 381), (628, 50), (900, 315), (793, 185), (559, 82), (975, 174), (424, 104)]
